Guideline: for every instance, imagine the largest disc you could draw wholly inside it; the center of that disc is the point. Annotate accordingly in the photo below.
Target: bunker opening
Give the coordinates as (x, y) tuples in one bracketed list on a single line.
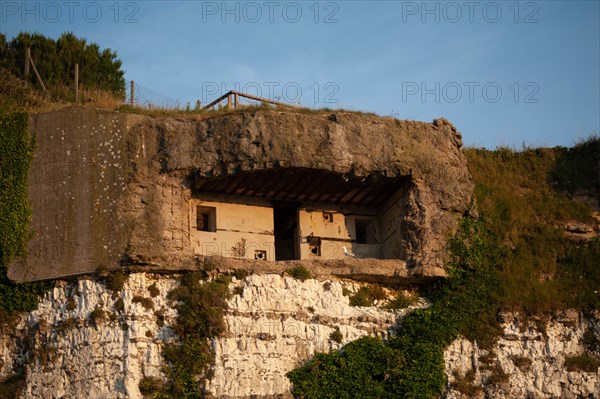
[(298, 213)]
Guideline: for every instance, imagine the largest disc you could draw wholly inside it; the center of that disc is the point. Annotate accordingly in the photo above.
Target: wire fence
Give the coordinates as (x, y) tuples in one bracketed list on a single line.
[(142, 96)]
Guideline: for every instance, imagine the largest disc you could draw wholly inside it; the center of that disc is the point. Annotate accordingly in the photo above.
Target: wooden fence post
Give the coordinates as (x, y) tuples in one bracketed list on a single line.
[(37, 74), (27, 57), (132, 93), (76, 83)]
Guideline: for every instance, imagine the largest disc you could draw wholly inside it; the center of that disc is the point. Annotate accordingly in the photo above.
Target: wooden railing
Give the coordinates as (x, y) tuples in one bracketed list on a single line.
[(233, 100)]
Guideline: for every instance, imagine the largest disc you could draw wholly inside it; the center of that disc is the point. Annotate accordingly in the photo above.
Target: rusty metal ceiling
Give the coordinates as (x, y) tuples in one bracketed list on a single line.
[(304, 185)]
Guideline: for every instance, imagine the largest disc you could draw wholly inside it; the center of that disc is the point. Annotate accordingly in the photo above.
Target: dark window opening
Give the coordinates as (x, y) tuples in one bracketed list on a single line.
[(314, 244), (286, 231), (206, 218), (328, 217), (365, 233)]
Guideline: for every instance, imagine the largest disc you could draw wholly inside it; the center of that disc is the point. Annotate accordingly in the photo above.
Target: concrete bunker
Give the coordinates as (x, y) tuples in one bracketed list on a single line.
[(111, 190), (296, 213)]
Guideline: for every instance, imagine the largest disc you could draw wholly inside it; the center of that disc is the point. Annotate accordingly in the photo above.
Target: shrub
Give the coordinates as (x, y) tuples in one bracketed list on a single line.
[(299, 272), (151, 386), (15, 94), (147, 303), (13, 386), (115, 281), (153, 290), (240, 274), (71, 303), (366, 296), (119, 305), (466, 385), (97, 316), (498, 376), (590, 340), (584, 363), (522, 363), (336, 336), (401, 301), (66, 325), (200, 305), (361, 370), (160, 318)]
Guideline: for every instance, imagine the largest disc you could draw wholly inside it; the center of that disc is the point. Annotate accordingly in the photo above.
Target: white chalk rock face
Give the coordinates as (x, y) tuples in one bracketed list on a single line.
[(276, 323), (84, 341), (527, 361), (84, 347), (87, 342)]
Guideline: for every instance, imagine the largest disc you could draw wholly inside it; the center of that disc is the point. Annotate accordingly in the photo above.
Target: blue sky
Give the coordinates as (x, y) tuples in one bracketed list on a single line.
[(506, 73)]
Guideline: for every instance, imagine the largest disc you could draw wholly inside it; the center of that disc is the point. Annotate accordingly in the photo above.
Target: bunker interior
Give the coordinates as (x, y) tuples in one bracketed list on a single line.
[(297, 213)]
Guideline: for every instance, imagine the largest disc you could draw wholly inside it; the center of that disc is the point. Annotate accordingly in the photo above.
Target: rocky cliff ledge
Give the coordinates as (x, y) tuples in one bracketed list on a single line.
[(528, 360), (86, 341)]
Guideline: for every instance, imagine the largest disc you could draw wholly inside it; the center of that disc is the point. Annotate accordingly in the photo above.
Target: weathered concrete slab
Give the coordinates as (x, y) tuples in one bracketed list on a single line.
[(77, 180)]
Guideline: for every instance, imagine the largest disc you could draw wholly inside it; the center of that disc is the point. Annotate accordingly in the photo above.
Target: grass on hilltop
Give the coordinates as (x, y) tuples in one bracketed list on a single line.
[(526, 198)]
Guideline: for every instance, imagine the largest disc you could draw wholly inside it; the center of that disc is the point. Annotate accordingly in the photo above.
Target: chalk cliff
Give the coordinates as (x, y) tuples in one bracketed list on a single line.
[(82, 342)]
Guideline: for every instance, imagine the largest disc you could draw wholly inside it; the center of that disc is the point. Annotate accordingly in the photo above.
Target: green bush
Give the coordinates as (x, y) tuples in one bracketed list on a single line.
[(13, 386), (413, 362), (201, 305), (119, 305), (401, 301), (299, 272), (147, 303), (466, 384), (590, 340), (361, 370), (97, 316), (115, 281), (336, 336), (522, 363), (151, 386), (153, 290), (584, 363), (367, 295)]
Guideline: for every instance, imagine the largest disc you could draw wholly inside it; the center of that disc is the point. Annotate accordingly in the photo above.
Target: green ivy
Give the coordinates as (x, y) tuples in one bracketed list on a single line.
[(201, 307), (16, 154), (411, 365)]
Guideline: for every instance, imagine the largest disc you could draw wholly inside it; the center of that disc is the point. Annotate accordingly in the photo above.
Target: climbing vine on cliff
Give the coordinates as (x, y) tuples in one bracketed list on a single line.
[(411, 365), (201, 304), (15, 156)]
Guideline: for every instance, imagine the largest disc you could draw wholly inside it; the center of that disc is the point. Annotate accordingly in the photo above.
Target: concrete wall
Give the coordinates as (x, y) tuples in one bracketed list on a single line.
[(391, 218), (77, 184), (336, 234), (241, 230)]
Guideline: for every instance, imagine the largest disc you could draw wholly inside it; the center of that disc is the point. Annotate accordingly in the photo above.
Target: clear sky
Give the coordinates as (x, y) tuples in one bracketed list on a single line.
[(506, 73)]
